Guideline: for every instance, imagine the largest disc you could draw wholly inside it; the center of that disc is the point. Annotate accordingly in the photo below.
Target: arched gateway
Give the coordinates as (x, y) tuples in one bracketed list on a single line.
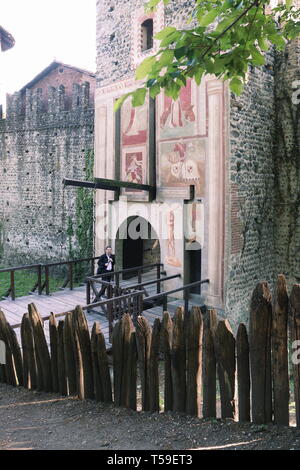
[(136, 244)]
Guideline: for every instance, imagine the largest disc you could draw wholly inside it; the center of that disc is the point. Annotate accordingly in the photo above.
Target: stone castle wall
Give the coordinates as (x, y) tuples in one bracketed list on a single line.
[(250, 235), (38, 148)]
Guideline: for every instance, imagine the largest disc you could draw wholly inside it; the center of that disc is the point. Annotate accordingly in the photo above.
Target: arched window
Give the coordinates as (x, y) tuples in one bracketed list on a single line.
[(147, 35)]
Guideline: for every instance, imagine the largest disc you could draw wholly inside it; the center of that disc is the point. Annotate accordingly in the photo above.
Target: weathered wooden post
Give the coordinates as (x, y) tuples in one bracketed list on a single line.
[(29, 352), (209, 368), (105, 379), (194, 339), (225, 355), (10, 374), (260, 353), (167, 335), (69, 352), (42, 352), (280, 353), (117, 347), (143, 340), (243, 373), (295, 326), (129, 369), (62, 379), (53, 349), (16, 353), (178, 362), (153, 367), (96, 372), (84, 353)]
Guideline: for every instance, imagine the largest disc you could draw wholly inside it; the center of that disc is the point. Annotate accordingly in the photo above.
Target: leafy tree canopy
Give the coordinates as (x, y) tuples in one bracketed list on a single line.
[(223, 38)]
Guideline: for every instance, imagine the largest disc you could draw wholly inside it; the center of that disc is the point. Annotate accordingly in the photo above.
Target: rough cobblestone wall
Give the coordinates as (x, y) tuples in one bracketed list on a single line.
[(38, 149), (114, 37), (250, 236), (287, 163)]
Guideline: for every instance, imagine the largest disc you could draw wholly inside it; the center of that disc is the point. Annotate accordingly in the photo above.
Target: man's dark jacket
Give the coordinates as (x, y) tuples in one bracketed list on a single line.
[(102, 262)]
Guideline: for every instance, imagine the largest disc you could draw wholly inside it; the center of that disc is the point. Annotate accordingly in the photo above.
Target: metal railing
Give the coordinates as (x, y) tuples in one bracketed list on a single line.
[(91, 281), (114, 311)]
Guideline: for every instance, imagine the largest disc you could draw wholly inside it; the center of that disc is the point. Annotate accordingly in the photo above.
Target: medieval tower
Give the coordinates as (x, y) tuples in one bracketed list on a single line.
[(235, 228)]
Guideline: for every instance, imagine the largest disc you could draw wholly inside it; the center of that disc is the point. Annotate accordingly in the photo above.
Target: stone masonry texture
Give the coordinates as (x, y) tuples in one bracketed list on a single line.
[(42, 142)]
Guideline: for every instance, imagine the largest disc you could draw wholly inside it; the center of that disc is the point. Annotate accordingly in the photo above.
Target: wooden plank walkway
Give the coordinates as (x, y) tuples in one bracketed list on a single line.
[(66, 300)]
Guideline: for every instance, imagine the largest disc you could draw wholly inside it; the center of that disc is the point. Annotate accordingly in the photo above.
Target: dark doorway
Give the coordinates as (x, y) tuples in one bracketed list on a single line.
[(133, 252), (194, 269)]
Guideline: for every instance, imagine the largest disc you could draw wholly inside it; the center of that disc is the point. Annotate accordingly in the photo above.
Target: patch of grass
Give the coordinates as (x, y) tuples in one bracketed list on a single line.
[(25, 281)]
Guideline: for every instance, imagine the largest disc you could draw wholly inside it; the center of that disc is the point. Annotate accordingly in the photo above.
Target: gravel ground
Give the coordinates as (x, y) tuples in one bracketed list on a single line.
[(37, 420)]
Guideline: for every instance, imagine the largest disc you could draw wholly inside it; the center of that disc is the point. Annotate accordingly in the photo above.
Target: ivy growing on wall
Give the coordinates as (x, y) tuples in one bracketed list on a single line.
[(84, 228), (80, 232)]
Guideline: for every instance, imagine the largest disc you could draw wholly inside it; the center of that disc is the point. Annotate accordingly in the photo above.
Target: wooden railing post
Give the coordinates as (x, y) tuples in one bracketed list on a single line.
[(88, 292), (47, 280), (92, 266), (117, 279), (12, 285), (158, 277), (186, 300), (39, 270), (71, 275), (110, 312)]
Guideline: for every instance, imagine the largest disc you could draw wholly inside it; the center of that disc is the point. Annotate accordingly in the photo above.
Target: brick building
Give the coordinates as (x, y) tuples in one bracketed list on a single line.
[(232, 231)]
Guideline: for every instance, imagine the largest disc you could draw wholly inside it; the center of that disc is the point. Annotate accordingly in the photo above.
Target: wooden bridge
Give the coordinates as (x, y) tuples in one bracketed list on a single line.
[(143, 286)]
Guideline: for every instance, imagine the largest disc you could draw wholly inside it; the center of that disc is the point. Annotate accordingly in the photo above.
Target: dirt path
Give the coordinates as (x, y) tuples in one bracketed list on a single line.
[(36, 420)]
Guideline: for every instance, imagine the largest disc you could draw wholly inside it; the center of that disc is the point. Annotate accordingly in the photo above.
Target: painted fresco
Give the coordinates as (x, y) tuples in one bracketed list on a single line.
[(173, 253), (179, 118), (182, 163), (134, 142), (134, 167), (134, 124)]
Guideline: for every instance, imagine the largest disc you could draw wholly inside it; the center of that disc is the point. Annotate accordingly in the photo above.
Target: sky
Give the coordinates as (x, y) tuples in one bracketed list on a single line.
[(45, 30)]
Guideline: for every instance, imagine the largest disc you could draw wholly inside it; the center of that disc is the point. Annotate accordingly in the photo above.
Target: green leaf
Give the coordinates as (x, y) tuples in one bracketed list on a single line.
[(263, 44), (172, 89), (224, 24), (154, 91), (165, 32), (166, 57), (257, 57), (236, 85), (209, 17), (119, 102), (198, 75), (277, 40), (173, 37), (138, 97), (144, 68), (180, 52)]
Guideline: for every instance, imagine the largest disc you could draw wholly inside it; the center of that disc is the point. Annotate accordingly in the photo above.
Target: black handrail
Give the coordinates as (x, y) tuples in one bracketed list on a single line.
[(96, 279), (185, 289), (127, 270)]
